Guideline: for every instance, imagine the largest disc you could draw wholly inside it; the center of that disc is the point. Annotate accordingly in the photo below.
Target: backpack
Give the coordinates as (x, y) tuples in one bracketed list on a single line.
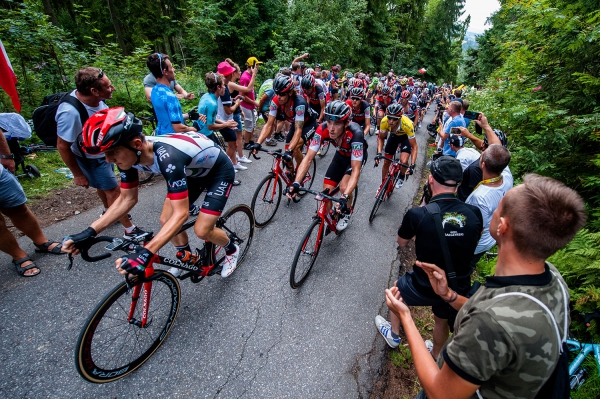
[(44, 116)]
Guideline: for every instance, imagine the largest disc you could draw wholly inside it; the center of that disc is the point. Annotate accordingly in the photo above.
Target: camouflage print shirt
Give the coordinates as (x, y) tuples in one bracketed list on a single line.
[(508, 345)]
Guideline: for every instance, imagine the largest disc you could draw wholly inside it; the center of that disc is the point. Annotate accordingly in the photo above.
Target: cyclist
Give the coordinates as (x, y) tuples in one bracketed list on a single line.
[(361, 110), (409, 107), (345, 166), (382, 102), (314, 94), (294, 108), (189, 162), (401, 133), (423, 105)]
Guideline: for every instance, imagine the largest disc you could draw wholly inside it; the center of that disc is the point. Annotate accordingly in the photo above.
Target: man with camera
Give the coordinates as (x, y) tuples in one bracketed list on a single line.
[(455, 119)]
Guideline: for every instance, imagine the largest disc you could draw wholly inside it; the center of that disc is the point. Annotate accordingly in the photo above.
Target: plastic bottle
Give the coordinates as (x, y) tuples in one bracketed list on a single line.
[(64, 171)]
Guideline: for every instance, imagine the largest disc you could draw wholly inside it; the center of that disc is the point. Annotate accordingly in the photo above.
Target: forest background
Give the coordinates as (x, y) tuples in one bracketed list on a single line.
[(536, 68)]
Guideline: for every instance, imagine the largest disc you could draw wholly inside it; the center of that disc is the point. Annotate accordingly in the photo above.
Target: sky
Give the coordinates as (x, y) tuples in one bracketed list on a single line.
[(480, 10)]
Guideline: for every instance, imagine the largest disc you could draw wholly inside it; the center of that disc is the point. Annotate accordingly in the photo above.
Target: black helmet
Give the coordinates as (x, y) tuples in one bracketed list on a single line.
[(501, 136), (386, 90), (357, 92), (283, 84), (307, 82), (394, 110), (337, 111)]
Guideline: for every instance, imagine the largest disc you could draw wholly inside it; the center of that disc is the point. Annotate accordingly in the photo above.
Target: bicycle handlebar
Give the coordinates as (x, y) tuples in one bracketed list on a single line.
[(319, 193), (84, 250), (377, 157), (276, 153)]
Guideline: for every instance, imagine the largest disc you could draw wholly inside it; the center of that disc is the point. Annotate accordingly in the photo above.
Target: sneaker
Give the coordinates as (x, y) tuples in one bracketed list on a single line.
[(279, 137), (230, 263), (399, 183), (238, 166), (195, 210), (244, 159), (385, 329), (343, 222), (271, 143), (175, 271), (134, 234), (429, 346)]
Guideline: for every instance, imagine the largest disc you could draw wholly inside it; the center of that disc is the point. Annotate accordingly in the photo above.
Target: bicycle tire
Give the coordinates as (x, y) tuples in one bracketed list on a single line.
[(107, 338), (265, 202), (379, 198), (144, 177), (239, 226), (310, 240), (308, 184), (324, 148)]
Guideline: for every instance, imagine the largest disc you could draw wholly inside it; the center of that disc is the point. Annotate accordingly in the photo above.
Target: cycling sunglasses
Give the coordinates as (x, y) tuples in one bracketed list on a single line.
[(159, 55), (356, 98), (100, 74), (334, 118), (394, 118)]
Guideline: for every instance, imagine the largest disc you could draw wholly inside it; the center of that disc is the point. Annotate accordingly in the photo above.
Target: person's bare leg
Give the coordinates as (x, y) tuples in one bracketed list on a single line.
[(239, 143), (24, 220), (231, 147), (181, 239), (9, 245), (103, 198), (111, 196), (441, 332)]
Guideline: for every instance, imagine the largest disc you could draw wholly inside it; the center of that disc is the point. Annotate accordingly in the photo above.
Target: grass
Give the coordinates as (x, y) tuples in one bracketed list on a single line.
[(402, 357), (47, 163)]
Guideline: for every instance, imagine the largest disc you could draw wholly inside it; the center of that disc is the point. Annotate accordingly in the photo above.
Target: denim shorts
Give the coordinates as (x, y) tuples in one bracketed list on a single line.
[(238, 119), (412, 297), (11, 194), (100, 174)]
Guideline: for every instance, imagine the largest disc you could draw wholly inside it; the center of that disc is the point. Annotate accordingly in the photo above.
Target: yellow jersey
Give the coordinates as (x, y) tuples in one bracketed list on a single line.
[(405, 127)]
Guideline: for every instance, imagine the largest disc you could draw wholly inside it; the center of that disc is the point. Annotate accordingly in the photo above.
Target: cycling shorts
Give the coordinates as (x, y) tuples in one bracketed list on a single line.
[(422, 104), (305, 129), (217, 183), (394, 141), (340, 166)]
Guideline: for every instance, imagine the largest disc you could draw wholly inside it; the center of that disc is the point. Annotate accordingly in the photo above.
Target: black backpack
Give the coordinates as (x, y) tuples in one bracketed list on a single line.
[(44, 121)]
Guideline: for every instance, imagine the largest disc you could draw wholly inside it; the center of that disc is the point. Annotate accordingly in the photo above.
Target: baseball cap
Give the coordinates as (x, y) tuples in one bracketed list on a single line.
[(446, 168), (456, 140), (253, 60), (225, 69)]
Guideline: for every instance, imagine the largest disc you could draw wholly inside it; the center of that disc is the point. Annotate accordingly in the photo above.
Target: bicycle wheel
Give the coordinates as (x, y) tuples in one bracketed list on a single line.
[(266, 199), (310, 177), (109, 346), (238, 223), (144, 176), (379, 198), (324, 148), (306, 254)]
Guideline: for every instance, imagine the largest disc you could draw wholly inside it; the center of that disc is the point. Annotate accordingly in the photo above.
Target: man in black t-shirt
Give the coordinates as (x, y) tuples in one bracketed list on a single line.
[(462, 224)]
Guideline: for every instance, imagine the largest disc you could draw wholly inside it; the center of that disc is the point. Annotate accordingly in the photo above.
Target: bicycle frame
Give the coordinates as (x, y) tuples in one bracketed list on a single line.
[(394, 169), (324, 214), (584, 350)]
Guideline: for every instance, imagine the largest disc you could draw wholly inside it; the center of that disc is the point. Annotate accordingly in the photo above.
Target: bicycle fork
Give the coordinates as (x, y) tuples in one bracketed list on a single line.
[(135, 296)]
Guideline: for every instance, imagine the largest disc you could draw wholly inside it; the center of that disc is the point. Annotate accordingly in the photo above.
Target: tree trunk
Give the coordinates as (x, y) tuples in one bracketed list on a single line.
[(115, 23), (48, 10)]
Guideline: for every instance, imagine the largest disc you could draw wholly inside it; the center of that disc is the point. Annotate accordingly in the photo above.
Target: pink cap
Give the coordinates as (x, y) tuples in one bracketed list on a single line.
[(225, 69)]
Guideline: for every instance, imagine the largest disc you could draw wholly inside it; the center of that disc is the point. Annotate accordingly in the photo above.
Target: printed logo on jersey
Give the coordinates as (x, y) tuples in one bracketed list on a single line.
[(171, 168), (122, 175), (300, 110), (205, 204), (456, 220), (178, 183), (357, 150), (316, 140), (162, 153)]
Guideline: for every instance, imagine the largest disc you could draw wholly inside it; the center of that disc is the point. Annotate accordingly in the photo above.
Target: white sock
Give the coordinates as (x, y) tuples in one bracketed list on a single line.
[(129, 229)]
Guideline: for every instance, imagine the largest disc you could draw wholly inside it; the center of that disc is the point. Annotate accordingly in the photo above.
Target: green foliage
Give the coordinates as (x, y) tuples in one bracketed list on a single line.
[(47, 163), (402, 357)]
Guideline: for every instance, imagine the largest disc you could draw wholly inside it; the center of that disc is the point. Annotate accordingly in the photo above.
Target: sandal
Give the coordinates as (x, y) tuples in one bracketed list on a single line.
[(44, 248), (23, 270)]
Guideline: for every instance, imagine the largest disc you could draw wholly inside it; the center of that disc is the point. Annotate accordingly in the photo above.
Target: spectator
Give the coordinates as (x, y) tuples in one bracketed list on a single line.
[(150, 81), (208, 105), (248, 105), (455, 120), (237, 90), (93, 87), (504, 343), (462, 224), (225, 110), (465, 155), (12, 205)]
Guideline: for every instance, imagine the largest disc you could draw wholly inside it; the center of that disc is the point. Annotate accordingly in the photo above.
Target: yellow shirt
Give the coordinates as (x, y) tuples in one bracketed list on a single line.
[(405, 127)]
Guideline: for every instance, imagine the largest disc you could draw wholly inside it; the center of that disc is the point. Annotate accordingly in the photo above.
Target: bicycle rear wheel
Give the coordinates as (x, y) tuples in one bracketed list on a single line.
[(306, 254), (380, 197), (109, 346), (266, 199), (308, 180), (238, 223)]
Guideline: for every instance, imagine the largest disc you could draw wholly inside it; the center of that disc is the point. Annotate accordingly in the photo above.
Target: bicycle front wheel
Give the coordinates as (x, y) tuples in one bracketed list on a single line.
[(306, 254), (308, 180), (144, 176), (111, 345), (238, 223), (324, 148), (379, 198), (266, 199)]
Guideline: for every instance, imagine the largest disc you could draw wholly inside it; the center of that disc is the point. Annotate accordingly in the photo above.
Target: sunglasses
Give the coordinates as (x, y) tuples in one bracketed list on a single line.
[(394, 118), (356, 98), (100, 74), (159, 55), (334, 118)]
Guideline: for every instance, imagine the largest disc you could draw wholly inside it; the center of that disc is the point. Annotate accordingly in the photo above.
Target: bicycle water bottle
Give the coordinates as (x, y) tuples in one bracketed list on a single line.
[(187, 256), (578, 379)]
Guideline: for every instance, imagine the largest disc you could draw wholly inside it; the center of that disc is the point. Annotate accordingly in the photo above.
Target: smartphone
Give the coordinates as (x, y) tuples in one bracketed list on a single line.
[(253, 64), (472, 115), (455, 130)]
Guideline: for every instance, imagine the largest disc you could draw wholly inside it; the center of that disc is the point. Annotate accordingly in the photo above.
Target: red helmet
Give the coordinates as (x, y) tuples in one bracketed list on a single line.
[(358, 82), (111, 127), (406, 95)]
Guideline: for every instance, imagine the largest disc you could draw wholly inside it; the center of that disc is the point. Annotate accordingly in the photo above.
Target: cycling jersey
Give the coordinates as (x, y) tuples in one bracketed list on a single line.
[(410, 110), (405, 127), (188, 162), (360, 114), (383, 102), (295, 110), (314, 99)]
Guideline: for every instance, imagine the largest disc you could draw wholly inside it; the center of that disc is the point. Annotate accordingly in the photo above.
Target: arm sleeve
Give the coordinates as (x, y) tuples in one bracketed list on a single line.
[(315, 142), (129, 178)]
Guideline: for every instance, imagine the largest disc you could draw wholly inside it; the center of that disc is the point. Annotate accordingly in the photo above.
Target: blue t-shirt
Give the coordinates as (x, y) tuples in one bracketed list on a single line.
[(457, 121), (167, 108), (208, 106), (270, 94)]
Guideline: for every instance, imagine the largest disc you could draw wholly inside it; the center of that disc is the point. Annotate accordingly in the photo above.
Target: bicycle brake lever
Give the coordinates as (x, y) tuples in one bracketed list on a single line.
[(254, 155), (71, 259)]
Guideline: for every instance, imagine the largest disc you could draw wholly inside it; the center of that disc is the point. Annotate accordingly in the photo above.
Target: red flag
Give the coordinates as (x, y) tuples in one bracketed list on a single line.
[(8, 79)]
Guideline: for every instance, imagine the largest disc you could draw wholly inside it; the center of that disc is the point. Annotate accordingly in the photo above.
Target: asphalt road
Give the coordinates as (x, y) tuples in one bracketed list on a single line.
[(247, 336)]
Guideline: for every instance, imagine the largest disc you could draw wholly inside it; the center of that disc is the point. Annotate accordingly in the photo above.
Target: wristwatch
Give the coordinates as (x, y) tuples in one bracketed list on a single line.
[(11, 156)]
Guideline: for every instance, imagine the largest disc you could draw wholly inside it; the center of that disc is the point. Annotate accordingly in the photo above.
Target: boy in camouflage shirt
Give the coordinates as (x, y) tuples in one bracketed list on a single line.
[(504, 346)]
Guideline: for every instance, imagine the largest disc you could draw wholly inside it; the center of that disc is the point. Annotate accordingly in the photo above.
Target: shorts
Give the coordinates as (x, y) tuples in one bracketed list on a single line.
[(100, 174), (249, 123), (217, 183), (238, 118), (228, 134), (412, 297), (305, 130), (340, 166), (394, 141), (12, 194)]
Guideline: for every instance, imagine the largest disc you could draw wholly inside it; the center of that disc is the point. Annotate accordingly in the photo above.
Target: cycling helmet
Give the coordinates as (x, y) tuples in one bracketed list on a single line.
[(357, 92), (403, 81), (111, 127), (307, 82), (501, 136), (358, 82), (337, 111), (335, 68), (394, 110), (349, 75), (283, 84), (406, 95), (317, 66), (351, 82), (386, 90), (375, 81), (309, 71)]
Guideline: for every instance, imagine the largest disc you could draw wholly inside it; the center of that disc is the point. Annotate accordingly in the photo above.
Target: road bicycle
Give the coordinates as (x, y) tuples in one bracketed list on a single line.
[(123, 332), (387, 187), (267, 197), (324, 222), (578, 374)]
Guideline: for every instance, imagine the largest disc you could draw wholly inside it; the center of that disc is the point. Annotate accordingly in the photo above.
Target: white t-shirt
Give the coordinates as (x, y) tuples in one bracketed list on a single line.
[(467, 156), (487, 198), (69, 127)]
